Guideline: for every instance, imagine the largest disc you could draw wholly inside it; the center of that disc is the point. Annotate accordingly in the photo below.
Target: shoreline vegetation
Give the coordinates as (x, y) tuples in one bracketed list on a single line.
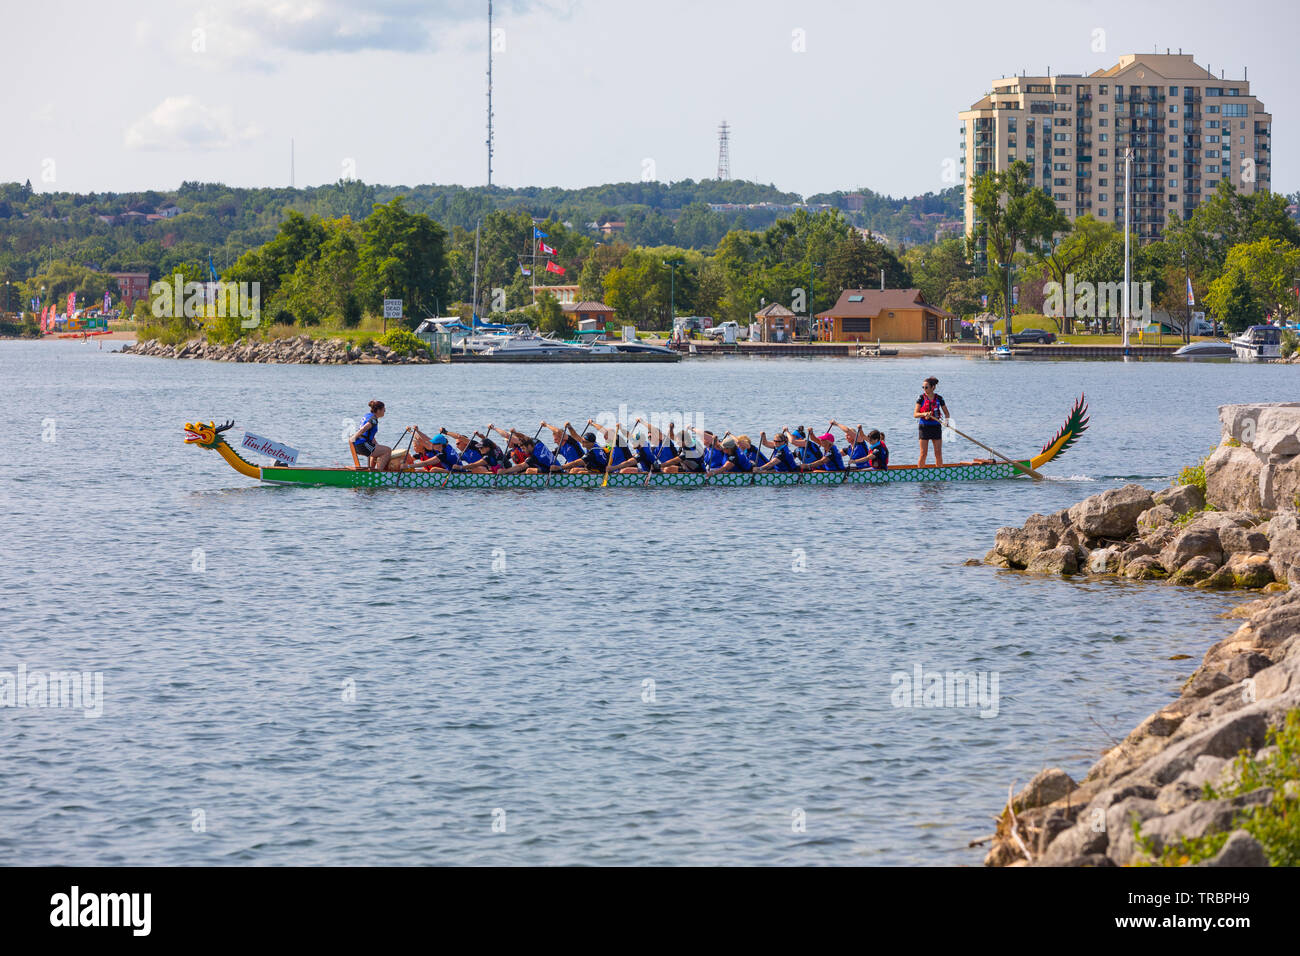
[(1213, 777)]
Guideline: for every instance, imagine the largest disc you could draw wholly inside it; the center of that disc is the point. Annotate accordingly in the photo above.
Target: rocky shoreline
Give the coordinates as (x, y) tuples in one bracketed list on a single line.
[(1177, 778), (299, 350)]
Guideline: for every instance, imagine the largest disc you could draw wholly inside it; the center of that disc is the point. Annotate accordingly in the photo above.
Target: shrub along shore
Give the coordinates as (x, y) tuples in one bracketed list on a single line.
[(1212, 778)]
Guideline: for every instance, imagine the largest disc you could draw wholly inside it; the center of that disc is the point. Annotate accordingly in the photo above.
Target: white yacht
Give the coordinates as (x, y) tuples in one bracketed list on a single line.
[(1258, 343)]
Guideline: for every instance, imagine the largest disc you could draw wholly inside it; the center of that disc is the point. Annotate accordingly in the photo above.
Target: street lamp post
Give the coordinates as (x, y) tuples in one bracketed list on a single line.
[(672, 265), (812, 267)]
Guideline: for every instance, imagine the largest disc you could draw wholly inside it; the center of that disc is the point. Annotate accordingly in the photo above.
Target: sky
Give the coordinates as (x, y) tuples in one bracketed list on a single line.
[(819, 94)]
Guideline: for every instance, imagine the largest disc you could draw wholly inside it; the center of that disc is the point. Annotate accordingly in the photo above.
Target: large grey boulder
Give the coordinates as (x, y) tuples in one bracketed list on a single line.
[(1192, 542), (1062, 559), (1047, 787), (1196, 820), (1111, 514), (1232, 479), (1181, 498), (1242, 849)]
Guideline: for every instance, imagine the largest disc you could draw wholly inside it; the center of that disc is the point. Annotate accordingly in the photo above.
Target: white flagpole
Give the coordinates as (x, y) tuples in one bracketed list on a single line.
[(1128, 155)]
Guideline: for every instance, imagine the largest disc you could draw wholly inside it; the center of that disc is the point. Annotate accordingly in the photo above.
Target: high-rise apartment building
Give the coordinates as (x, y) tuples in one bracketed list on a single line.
[(1187, 128)]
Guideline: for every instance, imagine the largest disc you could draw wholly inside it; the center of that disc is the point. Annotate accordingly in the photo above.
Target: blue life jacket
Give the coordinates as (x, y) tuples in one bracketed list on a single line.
[(620, 457), (834, 462), (367, 439), (784, 459), (665, 452), (714, 457), (569, 450), (541, 457), (595, 458), (471, 456), (741, 461), (756, 458), (857, 452)]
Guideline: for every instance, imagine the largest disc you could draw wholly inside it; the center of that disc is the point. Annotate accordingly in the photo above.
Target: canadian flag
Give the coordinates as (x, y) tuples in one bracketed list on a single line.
[(546, 250), (552, 267)]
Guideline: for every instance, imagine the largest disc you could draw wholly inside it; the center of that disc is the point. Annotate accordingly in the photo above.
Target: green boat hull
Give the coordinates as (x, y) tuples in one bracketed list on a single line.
[(346, 478)]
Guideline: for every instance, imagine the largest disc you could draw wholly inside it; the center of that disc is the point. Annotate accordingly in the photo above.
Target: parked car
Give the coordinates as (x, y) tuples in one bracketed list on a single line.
[(1041, 336), (718, 332)]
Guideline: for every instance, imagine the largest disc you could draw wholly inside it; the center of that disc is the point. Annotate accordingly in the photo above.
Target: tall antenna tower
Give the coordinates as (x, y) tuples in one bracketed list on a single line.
[(489, 95), (724, 150)]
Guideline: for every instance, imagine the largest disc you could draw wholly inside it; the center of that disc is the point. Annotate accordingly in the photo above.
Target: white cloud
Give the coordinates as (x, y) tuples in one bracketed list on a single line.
[(182, 122), (254, 32)]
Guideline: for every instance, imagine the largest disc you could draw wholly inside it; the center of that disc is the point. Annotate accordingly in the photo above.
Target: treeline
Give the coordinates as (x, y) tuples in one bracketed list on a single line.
[(112, 232)]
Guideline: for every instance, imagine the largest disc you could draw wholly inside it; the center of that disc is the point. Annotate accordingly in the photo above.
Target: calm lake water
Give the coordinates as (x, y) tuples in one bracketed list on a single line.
[(320, 676)]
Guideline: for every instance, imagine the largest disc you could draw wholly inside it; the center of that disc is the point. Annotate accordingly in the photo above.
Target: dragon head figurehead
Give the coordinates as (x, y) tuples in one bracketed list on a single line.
[(205, 436)]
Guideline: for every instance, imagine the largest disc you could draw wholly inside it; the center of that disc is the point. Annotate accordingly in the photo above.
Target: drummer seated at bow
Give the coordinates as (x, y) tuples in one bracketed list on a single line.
[(622, 458), (858, 453), (568, 444)]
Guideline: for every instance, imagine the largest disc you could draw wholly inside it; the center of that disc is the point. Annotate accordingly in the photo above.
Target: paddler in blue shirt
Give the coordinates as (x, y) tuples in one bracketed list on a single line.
[(538, 458), (782, 459), (830, 459), (623, 460), (879, 453), (593, 459), (568, 444), (440, 456), (753, 457), (858, 450)]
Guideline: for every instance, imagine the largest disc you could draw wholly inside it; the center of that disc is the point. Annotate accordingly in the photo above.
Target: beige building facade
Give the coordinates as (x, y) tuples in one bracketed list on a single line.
[(1188, 130)]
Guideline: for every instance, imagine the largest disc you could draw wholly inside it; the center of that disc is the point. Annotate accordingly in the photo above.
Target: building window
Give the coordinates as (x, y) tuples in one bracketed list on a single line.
[(1101, 212), (1213, 108), (1103, 89), (1174, 108), (1214, 91), (1103, 182), (1173, 124), (1102, 197), (1103, 137), (1173, 153), (1173, 91), (857, 324), (1103, 107)]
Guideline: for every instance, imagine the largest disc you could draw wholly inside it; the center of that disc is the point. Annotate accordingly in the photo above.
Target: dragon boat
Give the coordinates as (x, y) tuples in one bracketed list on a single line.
[(210, 436)]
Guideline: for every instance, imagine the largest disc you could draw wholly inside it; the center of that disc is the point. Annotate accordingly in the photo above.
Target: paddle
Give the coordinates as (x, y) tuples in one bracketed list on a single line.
[(1014, 464), (609, 458)]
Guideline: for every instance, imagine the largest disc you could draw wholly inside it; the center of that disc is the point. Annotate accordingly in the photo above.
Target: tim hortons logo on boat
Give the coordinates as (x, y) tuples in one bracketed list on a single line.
[(197, 300), (1095, 300), (931, 688), (75, 908), (53, 689)]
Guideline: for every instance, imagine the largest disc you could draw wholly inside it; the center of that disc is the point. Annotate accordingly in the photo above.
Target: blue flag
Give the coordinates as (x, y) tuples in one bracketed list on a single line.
[(538, 234)]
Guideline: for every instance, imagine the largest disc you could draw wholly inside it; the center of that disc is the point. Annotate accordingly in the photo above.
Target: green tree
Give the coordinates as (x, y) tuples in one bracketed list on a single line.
[(402, 256), (1011, 214), (1232, 299), (552, 319)]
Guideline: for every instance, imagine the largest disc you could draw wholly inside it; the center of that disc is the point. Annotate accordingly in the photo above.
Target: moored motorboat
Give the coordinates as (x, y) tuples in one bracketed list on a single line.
[(1206, 350), (1258, 343)]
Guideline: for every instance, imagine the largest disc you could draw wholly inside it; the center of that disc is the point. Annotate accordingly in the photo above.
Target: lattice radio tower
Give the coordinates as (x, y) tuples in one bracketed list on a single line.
[(489, 96), (724, 150)]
